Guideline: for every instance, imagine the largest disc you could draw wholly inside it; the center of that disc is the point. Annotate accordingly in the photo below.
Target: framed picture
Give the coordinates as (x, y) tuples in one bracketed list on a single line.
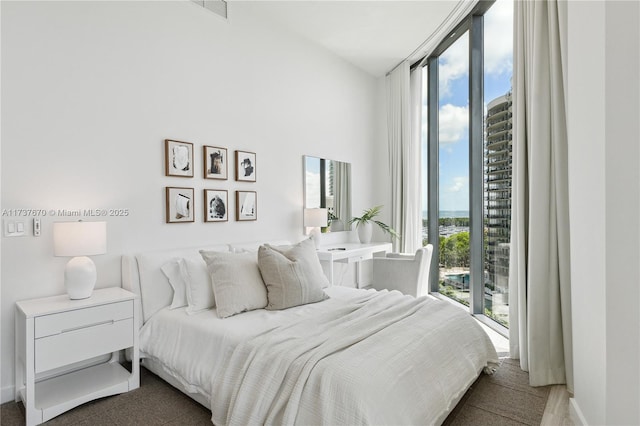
[(180, 205), (246, 205), (215, 162), (246, 166), (178, 158), (215, 205)]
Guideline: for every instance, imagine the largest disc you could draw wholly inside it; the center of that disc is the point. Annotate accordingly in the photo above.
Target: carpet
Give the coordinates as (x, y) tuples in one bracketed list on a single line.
[(504, 398)]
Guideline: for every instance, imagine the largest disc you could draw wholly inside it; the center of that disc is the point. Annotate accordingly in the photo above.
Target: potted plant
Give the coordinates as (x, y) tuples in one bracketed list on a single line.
[(364, 224)]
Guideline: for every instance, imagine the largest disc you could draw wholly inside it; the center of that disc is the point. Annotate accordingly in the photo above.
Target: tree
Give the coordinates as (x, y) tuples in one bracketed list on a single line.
[(455, 250)]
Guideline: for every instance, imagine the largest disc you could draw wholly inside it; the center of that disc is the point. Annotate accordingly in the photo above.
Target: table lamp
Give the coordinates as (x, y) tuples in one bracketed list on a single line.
[(79, 240), (315, 218)]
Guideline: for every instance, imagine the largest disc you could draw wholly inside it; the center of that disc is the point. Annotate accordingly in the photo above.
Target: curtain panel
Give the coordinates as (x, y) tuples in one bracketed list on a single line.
[(404, 123), (342, 200), (539, 277)]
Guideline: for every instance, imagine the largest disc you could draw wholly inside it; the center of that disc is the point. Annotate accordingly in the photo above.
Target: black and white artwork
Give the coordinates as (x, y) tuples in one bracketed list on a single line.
[(215, 205), (246, 166), (179, 205), (215, 162), (246, 205), (178, 158)]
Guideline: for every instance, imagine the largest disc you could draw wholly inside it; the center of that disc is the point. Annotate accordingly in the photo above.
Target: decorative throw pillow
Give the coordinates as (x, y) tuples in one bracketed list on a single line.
[(173, 272), (237, 283), (198, 283), (293, 275)]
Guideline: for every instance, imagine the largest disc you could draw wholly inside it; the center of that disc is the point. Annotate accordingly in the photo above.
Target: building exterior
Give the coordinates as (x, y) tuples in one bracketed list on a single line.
[(498, 159)]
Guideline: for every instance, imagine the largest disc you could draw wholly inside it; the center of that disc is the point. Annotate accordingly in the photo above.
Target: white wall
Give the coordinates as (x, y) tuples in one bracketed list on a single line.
[(587, 204), (623, 211), (91, 89), (604, 106)]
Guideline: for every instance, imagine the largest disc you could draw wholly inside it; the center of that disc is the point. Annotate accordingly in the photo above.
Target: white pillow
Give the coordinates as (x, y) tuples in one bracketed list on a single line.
[(237, 283), (198, 285), (173, 272)]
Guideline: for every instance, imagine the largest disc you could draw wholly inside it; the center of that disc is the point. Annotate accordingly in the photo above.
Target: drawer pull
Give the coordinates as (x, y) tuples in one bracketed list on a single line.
[(67, 330)]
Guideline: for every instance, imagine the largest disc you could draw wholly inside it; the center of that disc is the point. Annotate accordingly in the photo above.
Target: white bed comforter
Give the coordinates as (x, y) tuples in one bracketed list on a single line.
[(383, 358)]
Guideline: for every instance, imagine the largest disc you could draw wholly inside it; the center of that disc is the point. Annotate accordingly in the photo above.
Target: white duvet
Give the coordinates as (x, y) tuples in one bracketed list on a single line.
[(360, 357)]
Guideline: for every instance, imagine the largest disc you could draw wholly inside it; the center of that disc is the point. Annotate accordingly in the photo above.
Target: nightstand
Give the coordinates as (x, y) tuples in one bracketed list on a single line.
[(55, 332)]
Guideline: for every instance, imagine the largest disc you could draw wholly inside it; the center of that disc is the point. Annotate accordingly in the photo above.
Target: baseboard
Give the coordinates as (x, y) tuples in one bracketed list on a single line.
[(6, 394), (576, 413)]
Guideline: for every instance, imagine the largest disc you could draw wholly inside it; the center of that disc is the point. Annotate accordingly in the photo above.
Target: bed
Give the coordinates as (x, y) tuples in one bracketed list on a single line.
[(351, 356)]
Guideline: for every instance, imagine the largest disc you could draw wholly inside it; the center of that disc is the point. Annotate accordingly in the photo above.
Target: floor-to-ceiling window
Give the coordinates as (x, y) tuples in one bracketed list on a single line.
[(467, 160), (453, 171), (498, 70)]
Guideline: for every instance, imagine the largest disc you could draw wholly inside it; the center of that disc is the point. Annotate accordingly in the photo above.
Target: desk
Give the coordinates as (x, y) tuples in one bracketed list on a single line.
[(352, 253)]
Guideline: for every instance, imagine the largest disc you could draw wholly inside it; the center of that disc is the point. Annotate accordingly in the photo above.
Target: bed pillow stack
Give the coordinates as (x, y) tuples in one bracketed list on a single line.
[(237, 283), (292, 274), (191, 285), (278, 277)]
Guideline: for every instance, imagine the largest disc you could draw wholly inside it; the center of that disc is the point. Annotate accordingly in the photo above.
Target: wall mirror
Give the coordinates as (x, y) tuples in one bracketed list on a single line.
[(327, 183)]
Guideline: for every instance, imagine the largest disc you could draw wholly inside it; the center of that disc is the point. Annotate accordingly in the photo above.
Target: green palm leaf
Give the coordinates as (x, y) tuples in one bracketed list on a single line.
[(368, 215)]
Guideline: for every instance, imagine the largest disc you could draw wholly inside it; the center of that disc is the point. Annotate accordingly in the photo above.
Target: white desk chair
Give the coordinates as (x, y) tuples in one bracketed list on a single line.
[(407, 273)]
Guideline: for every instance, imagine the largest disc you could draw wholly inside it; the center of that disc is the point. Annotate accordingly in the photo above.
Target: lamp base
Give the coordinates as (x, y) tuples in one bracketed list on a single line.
[(315, 236), (80, 277)]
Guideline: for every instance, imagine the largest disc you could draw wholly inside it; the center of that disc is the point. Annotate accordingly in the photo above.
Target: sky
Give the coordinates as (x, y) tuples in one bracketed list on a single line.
[(312, 182), (454, 102)]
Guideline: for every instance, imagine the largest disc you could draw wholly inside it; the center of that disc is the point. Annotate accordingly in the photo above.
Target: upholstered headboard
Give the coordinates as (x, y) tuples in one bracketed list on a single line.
[(254, 245), (141, 273)]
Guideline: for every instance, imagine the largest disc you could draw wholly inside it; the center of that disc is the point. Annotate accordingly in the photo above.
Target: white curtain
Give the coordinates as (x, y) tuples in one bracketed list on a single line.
[(539, 278), (404, 122), (342, 200)]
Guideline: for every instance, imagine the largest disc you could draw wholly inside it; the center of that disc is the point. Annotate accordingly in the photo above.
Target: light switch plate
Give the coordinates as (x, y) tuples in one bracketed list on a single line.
[(13, 228)]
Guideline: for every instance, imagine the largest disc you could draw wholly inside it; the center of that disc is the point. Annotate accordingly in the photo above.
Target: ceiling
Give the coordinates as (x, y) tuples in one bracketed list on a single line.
[(375, 36)]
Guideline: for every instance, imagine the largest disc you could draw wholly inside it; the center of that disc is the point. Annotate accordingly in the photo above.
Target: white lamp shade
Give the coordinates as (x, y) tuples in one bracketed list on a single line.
[(315, 217), (79, 238)]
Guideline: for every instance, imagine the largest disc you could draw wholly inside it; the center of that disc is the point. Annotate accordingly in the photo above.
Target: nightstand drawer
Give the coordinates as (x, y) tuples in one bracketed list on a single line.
[(83, 343), (63, 322)]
